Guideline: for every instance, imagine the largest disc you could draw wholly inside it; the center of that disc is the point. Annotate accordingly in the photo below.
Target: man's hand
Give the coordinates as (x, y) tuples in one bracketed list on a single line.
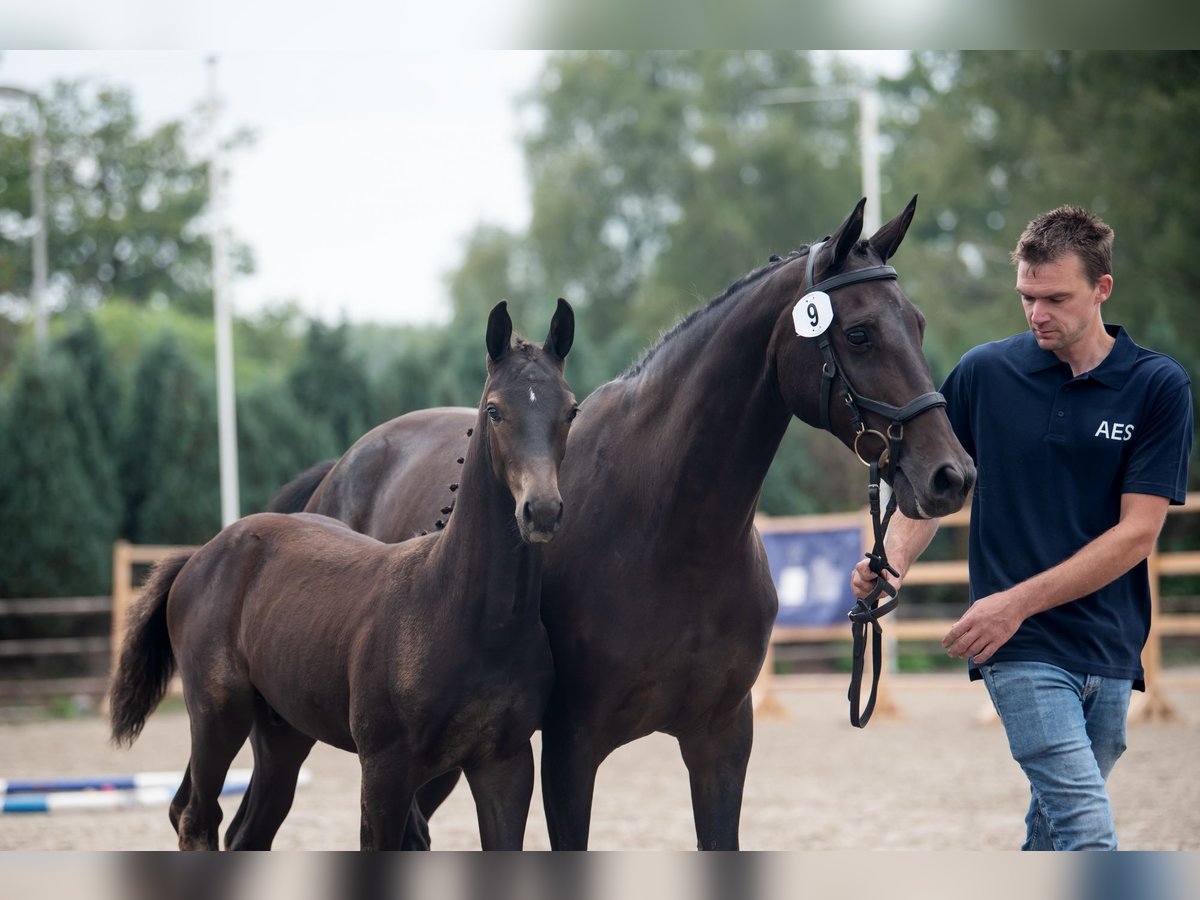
[(862, 579), (983, 629)]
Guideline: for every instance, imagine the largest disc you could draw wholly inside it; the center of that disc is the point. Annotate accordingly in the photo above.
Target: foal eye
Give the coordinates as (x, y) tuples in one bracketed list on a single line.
[(858, 336), (493, 412)]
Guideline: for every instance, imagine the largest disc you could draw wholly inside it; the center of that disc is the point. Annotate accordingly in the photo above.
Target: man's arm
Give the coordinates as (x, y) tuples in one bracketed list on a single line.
[(992, 620)]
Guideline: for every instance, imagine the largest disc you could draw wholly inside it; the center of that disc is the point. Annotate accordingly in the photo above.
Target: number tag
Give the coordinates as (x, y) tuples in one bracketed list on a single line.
[(813, 314)]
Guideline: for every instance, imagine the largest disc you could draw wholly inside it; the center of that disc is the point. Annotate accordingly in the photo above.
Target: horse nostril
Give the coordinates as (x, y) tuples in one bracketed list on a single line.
[(558, 518), (948, 480), (527, 512)]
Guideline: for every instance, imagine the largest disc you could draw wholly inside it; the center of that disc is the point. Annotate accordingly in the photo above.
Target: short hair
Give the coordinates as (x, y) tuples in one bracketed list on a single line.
[(1068, 229)]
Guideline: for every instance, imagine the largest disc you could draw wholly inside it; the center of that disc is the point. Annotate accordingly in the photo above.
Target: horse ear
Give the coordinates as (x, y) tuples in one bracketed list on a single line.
[(499, 331), (888, 238), (562, 331), (844, 238)]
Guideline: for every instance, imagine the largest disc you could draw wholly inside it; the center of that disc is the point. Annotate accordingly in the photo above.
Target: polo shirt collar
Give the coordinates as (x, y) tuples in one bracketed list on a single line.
[(1112, 372)]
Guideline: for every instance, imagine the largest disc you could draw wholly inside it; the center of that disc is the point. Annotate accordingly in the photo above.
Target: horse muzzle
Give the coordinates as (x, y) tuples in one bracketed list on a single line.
[(538, 519)]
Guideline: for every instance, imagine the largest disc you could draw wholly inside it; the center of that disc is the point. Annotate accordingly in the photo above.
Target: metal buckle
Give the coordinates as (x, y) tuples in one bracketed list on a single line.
[(883, 456)]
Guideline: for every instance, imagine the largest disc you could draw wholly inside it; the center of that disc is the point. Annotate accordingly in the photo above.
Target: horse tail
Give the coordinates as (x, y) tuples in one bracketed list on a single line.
[(294, 496), (147, 662)]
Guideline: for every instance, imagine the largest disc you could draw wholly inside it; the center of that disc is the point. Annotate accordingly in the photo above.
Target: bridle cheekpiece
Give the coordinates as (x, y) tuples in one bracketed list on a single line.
[(867, 610)]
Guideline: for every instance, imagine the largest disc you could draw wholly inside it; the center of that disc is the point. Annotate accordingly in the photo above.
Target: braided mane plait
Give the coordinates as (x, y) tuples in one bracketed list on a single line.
[(697, 315)]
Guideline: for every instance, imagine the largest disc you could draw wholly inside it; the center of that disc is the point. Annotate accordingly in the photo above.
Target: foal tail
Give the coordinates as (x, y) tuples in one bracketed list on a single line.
[(294, 496), (147, 662)]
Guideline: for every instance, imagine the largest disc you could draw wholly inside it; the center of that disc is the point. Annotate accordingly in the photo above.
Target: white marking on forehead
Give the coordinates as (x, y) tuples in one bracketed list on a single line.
[(532, 396)]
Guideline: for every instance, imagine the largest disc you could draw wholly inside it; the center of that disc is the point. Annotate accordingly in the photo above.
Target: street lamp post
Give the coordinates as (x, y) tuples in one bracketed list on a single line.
[(38, 194), (868, 134), (226, 409)]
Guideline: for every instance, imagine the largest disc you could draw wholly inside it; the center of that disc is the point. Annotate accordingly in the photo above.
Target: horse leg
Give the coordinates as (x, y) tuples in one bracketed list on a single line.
[(416, 832), (279, 751), (502, 789), (181, 797), (716, 760), (568, 781), (387, 796), (220, 722), (430, 796)]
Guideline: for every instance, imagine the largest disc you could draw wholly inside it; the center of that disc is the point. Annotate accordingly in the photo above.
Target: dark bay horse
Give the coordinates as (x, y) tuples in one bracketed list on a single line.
[(657, 595), (422, 657)]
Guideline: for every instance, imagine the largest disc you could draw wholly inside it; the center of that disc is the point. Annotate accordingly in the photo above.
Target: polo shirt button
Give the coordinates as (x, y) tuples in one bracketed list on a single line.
[(1061, 413)]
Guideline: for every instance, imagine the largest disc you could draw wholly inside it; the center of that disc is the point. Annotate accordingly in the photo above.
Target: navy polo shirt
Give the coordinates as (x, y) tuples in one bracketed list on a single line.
[(1053, 455)]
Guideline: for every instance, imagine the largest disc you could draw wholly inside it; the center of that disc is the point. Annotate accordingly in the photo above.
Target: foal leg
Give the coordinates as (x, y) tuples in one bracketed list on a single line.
[(279, 751), (220, 722), (716, 758), (502, 789)]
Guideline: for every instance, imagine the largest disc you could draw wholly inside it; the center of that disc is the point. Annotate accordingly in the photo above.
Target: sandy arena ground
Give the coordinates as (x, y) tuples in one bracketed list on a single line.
[(935, 778)]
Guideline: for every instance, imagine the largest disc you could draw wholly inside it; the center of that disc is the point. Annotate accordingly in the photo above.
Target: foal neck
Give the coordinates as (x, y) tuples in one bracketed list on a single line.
[(494, 573)]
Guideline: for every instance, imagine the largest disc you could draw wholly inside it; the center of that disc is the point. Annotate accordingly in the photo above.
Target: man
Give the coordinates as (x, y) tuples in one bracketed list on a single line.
[(1081, 440)]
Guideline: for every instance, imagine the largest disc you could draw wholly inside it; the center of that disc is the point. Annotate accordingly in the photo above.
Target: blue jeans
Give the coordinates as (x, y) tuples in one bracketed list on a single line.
[(1067, 731)]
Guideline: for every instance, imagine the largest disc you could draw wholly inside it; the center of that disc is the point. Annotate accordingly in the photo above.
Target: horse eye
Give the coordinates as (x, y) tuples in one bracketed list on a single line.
[(572, 414), (858, 336), (493, 413)]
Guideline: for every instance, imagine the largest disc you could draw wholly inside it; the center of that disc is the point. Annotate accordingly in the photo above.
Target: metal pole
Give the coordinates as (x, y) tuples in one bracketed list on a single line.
[(868, 135), (37, 192), (868, 141), (226, 409)]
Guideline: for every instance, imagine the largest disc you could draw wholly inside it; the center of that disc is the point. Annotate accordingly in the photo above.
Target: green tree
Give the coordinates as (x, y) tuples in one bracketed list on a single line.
[(991, 139), (276, 442), (330, 386), (124, 205), (659, 178), (58, 505), (169, 469), (86, 347)]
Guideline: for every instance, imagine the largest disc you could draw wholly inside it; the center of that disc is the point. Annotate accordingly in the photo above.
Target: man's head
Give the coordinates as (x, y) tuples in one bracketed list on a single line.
[(1063, 260), (1068, 229)]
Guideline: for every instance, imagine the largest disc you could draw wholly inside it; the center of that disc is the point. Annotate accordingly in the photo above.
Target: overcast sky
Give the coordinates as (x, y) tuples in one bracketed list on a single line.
[(369, 170)]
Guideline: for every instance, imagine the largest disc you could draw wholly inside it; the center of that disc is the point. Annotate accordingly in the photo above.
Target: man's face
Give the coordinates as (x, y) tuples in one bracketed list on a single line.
[(1060, 304)]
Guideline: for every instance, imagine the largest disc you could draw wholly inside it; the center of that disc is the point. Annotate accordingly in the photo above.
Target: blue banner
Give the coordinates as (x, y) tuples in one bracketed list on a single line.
[(811, 570)]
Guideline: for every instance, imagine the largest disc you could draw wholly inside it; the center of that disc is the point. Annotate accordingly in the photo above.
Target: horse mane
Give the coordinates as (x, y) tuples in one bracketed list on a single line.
[(698, 315), (524, 347)]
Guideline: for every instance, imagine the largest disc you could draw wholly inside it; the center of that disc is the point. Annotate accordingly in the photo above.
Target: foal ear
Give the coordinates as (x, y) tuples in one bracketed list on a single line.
[(846, 236), (499, 331), (888, 238), (562, 331)]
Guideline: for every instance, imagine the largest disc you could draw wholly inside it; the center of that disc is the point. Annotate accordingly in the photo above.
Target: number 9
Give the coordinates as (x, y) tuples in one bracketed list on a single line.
[(813, 316)]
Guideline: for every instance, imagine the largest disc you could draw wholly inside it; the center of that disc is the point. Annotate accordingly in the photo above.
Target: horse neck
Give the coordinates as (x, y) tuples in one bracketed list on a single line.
[(498, 574), (713, 413)]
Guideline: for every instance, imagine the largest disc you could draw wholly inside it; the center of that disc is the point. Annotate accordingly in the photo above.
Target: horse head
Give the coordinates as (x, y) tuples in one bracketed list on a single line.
[(848, 359), (526, 412)]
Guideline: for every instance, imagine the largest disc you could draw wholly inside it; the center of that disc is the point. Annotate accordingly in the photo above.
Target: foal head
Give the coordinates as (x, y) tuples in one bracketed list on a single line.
[(525, 414)]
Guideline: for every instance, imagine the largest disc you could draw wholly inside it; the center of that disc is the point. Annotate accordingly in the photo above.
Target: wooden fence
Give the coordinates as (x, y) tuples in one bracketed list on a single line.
[(1153, 705), (897, 629), (14, 649)]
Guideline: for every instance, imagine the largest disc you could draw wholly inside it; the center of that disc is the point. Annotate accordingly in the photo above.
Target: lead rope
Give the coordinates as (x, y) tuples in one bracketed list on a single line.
[(867, 610)]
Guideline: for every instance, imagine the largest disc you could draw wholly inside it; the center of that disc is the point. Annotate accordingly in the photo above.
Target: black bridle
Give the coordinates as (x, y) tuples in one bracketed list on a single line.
[(867, 610)]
